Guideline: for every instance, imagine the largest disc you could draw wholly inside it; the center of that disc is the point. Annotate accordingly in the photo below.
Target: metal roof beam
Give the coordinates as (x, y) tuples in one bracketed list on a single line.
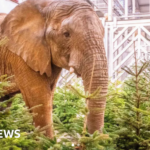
[(116, 2)]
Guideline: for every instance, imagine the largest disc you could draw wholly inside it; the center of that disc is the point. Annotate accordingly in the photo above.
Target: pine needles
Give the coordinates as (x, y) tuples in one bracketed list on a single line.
[(74, 131), (132, 118)]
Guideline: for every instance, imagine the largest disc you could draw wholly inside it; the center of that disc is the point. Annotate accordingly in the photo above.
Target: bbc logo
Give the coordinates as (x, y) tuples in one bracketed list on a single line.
[(9, 133)]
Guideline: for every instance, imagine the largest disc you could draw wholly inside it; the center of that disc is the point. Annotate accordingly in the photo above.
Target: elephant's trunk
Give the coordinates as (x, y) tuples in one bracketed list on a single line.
[(95, 75)]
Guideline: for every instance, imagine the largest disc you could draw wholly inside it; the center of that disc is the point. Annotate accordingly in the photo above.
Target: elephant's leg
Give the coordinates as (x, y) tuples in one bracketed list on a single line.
[(36, 90)]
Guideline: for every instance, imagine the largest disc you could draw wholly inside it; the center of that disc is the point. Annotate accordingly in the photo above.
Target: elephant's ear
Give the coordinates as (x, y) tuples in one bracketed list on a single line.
[(25, 28)]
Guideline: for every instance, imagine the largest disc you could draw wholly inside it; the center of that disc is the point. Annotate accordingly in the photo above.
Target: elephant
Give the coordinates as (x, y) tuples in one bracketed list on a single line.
[(46, 36)]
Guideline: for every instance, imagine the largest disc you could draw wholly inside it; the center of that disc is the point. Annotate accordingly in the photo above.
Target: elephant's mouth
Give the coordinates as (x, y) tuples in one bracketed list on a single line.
[(78, 75), (73, 70)]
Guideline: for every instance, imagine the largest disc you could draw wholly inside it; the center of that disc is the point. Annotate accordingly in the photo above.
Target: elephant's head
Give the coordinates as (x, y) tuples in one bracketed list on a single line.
[(67, 34)]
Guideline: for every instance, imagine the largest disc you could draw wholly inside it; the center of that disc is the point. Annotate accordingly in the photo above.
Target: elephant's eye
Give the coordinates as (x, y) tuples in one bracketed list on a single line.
[(66, 34)]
